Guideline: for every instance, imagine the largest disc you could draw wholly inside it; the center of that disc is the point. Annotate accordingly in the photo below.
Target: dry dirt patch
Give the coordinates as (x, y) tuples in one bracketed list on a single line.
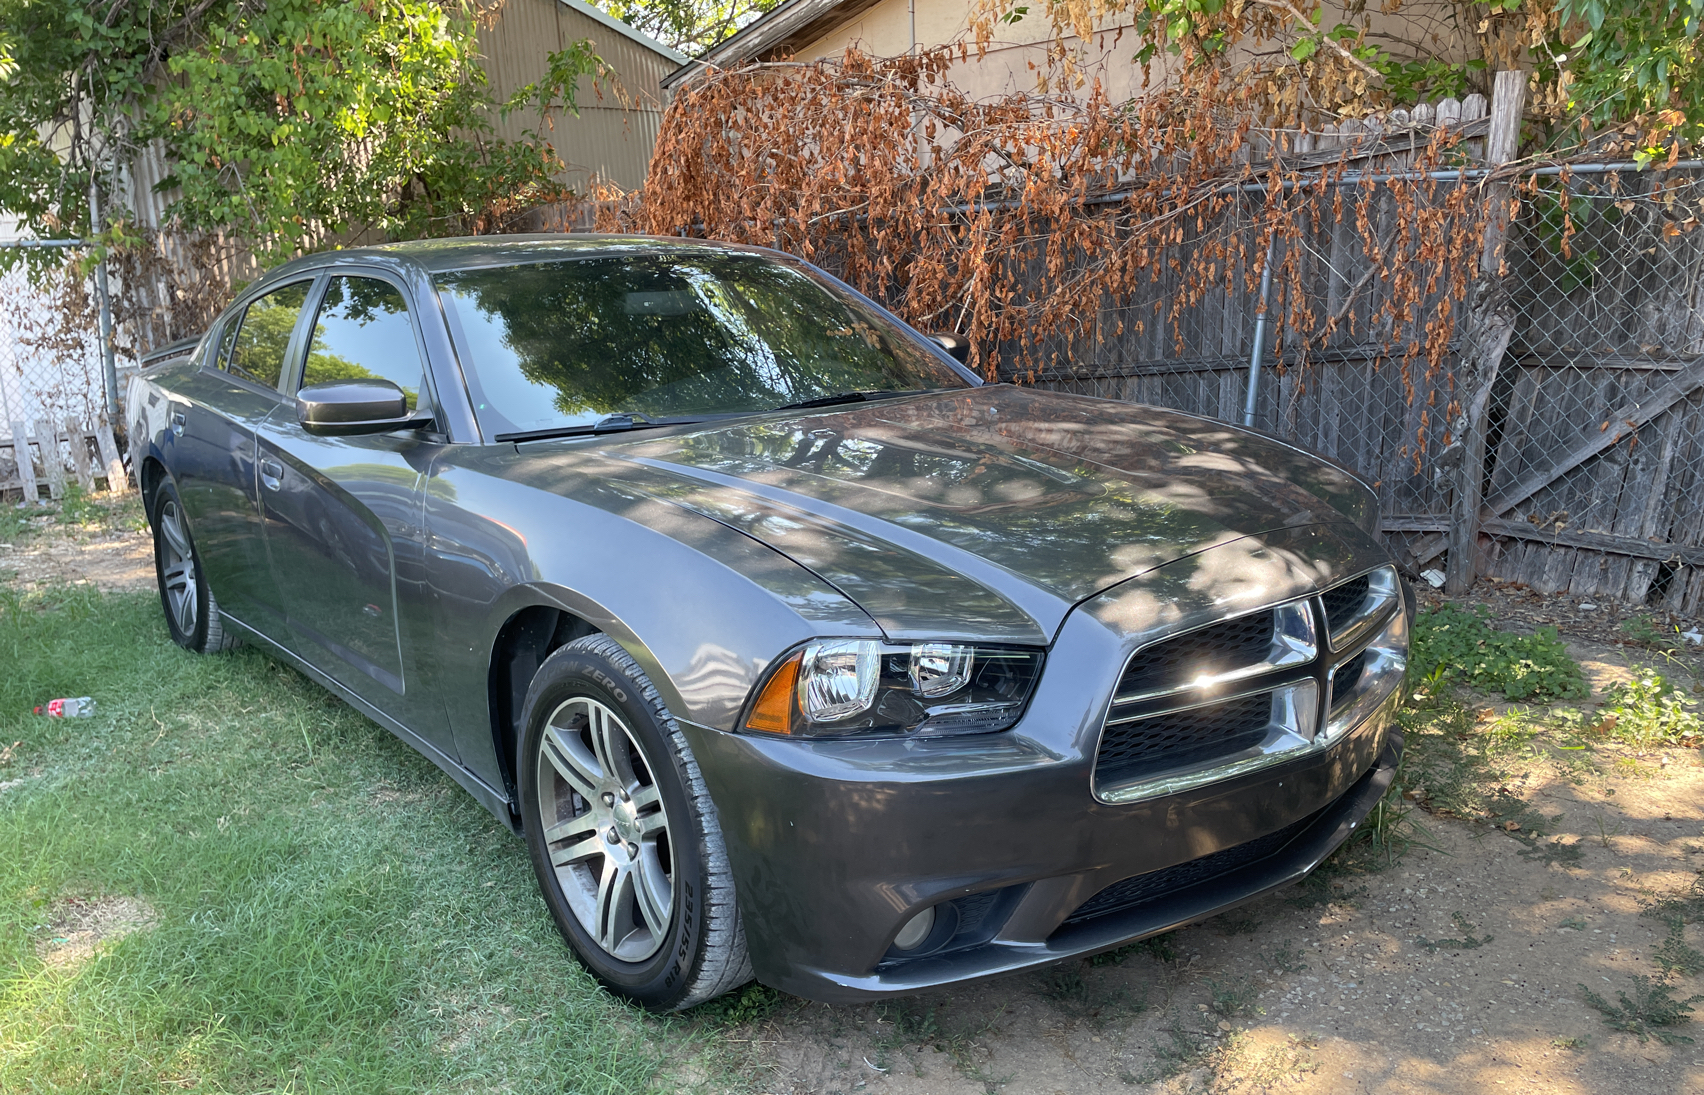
[(77, 927), (103, 544)]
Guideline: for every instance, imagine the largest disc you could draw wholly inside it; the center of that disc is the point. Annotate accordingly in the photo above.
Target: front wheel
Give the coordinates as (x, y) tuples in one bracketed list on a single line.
[(192, 616), (622, 832)]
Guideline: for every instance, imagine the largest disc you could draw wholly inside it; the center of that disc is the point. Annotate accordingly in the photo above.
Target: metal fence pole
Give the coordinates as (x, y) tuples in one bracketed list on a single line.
[(109, 365), (1255, 354)]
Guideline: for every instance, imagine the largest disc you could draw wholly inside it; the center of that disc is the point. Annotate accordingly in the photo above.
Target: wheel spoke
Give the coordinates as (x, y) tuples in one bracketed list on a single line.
[(178, 575), (614, 889), (609, 742), (186, 609), (653, 891), (578, 851), (645, 795), (173, 530), (568, 755)]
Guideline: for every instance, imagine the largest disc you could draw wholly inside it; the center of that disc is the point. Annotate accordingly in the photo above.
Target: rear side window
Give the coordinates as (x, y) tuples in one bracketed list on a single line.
[(257, 352), (363, 332)]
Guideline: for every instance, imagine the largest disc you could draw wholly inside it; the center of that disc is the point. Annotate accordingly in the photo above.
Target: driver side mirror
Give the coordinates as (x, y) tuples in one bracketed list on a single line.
[(957, 346), (344, 407)]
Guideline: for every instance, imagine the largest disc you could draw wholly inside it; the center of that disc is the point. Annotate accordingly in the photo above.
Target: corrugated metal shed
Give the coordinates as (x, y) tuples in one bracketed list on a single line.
[(616, 130)]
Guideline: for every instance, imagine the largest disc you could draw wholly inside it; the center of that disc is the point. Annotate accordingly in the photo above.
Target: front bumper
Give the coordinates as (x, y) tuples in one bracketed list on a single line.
[(834, 849)]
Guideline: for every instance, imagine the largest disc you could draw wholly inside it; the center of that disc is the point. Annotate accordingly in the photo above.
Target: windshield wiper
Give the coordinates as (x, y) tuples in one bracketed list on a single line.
[(609, 423), (848, 397)]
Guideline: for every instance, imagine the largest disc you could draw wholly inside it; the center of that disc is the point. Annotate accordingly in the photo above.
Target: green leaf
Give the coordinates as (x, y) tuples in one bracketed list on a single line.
[(1304, 49)]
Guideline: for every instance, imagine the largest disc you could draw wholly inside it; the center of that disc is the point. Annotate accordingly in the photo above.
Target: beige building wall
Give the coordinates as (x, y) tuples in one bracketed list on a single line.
[(1015, 59), (612, 138)]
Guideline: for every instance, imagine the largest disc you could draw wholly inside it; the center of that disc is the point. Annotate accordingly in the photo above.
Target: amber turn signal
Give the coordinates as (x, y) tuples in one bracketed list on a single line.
[(773, 711)]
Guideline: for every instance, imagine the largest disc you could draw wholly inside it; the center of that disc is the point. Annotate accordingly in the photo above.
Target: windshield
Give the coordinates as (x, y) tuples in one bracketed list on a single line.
[(675, 335)]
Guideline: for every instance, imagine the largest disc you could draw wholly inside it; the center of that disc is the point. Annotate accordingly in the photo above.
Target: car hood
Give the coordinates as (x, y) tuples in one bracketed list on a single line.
[(987, 513)]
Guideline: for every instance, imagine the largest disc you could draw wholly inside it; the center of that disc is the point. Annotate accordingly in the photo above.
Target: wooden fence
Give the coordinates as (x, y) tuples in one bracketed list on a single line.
[(49, 459)]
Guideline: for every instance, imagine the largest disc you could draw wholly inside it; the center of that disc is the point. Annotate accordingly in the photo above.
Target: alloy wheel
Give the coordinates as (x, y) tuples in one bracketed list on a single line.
[(606, 828), (178, 569)]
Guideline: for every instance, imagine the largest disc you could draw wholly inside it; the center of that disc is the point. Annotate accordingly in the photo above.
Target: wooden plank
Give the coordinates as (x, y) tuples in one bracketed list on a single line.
[(1621, 424), (117, 481), (11, 482), (26, 469), (1679, 554), (80, 454), (52, 466)]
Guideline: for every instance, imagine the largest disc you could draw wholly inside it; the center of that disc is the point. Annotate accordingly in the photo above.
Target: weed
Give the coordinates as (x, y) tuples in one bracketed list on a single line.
[(1651, 1006), (1158, 947), (1181, 1050), (1686, 907), (1574, 923), (1233, 998), (1674, 955), (1604, 831), (751, 1004), (1066, 984), (1650, 711), (1238, 923), (1570, 1043), (1468, 941), (1285, 959), (1088, 998), (1468, 649), (1643, 630)]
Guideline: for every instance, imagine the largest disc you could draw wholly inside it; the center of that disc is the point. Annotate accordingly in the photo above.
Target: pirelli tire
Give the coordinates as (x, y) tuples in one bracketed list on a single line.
[(622, 832)]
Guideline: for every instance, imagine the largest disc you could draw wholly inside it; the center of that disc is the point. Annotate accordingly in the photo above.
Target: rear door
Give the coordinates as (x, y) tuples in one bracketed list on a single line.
[(343, 516), (213, 415)]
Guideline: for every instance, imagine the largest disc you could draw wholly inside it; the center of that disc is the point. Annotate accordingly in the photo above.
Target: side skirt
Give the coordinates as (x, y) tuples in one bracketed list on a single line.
[(487, 796)]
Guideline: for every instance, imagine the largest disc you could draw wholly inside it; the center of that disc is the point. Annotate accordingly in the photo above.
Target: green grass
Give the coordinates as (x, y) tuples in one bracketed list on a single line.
[(330, 912)]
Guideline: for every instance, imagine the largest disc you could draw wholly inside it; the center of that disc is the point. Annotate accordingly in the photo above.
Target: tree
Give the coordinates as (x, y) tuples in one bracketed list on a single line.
[(285, 123), (1600, 67), (693, 27)]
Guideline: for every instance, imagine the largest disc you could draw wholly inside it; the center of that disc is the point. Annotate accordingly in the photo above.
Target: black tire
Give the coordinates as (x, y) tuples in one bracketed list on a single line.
[(192, 615), (628, 820)]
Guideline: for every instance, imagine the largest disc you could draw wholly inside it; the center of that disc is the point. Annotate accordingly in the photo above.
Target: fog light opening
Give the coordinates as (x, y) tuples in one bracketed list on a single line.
[(916, 931)]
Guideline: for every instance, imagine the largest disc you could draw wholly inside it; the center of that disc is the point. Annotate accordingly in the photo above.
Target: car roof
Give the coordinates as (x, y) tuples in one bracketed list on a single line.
[(473, 252)]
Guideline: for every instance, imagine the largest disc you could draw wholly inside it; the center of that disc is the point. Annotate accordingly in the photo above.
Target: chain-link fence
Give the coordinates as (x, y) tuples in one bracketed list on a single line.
[(50, 359), (1594, 471)]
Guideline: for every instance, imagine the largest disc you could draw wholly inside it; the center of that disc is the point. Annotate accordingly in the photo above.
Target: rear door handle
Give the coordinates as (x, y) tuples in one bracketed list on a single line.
[(177, 423), (271, 473)]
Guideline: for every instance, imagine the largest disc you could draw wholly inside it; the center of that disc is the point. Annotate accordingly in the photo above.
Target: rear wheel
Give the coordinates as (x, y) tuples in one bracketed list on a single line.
[(192, 616), (623, 835)]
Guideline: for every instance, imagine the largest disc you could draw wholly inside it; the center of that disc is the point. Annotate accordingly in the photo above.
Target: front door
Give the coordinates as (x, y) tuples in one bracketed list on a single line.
[(213, 462), (343, 514)]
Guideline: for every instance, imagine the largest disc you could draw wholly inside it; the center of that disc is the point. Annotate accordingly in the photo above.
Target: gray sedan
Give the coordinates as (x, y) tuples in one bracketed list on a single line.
[(793, 650)]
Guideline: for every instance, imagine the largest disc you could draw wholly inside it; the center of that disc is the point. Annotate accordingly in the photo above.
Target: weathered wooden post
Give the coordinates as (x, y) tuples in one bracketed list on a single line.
[(1485, 338)]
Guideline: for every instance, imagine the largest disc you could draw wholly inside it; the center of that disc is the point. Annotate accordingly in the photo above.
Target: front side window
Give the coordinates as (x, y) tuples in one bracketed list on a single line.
[(363, 332), (682, 334), (257, 353)]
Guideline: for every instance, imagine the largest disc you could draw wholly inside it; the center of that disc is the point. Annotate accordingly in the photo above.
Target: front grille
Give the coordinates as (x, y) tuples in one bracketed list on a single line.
[(1142, 888), (1343, 681), (1180, 738), (1343, 603), (1217, 648)]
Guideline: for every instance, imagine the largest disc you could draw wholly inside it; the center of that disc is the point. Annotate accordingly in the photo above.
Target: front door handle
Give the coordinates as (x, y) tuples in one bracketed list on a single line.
[(177, 423), (271, 473)]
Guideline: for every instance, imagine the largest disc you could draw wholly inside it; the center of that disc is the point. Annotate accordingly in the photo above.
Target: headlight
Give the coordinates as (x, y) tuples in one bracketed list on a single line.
[(858, 687)]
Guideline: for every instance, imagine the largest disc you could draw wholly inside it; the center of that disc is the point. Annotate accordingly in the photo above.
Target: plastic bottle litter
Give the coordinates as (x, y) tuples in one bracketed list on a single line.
[(80, 708)]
